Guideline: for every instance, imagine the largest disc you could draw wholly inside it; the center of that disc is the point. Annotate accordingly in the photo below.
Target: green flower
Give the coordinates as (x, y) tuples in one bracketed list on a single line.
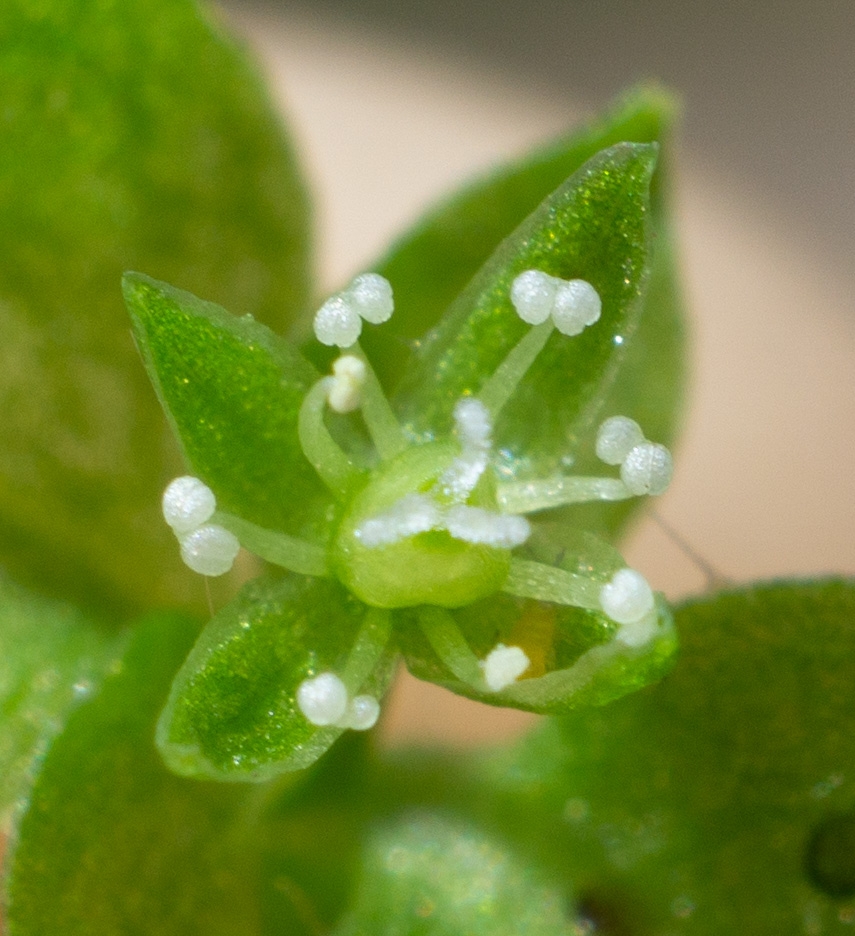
[(431, 520)]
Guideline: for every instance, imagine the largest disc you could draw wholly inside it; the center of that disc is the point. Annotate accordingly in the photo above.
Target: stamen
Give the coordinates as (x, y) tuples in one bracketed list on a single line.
[(627, 598), (337, 322), (485, 527), (616, 438), (380, 419), (413, 514), (647, 469), (209, 550), (288, 552), (322, 699), (371, 294), (187, 504), (522, 497), (334, 468), (577, 305), (527, 579), (361, 714), (345, 389), (504, 666), (449, 644)]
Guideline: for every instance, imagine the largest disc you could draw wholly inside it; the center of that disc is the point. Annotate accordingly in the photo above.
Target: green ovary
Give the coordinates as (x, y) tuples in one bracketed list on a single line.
[(428, 568)]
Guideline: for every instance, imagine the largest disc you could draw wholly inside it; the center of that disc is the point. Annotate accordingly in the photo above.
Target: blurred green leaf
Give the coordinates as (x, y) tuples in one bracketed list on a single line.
[(431, 875), (720, 800), (232, 713), (111, 842), (594, 227), (232, 391), (52, 658), (134, 136)]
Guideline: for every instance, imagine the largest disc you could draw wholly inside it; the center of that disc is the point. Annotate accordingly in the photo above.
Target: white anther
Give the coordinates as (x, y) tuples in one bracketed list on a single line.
[(647, 469), (484, 527), (504, 666), (209, 550), (627, 598), (322, 699), (616, 438), (345, 389), (337, 322), (187, 504), (638, 633), (533, 295), (577, 305), (371, 294), (361, 714), (412, 514)]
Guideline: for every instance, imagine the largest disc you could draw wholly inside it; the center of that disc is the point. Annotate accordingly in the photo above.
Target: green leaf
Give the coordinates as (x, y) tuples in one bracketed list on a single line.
[(594, 227), (52, 658), (721, 799), (232, 391), (432, 875), (134, 136), (110, 841), (232, 713)]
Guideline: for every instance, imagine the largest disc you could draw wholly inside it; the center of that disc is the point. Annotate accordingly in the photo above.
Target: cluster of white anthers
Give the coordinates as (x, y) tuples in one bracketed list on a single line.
[(645, 468)]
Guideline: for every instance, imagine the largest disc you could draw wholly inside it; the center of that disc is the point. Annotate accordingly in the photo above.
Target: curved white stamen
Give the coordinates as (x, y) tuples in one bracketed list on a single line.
[(533, 295), (371, 295), (504, 666), (187, 504), (484, 527), (627, 598), (413, 514), (647, 469), (616, 438), (577, 305), (322, 699), (345, 389), (337, 322), (361, 714), (210, 550)]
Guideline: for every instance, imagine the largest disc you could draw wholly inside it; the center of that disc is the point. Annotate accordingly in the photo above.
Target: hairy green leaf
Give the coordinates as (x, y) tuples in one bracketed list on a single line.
[(110, 841), (52, 658), (720, 800), (135, 136)]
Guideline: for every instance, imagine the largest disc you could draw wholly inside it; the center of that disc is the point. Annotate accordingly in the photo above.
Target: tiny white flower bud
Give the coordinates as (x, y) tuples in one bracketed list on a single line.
[(187, 504), (337, 322), (532, 295), (345, 389), (504, 666), (322, 699), (627, 598), (577, 305), (647, 469), (371, 295), (616, 438), (209, 550), (361, 714)]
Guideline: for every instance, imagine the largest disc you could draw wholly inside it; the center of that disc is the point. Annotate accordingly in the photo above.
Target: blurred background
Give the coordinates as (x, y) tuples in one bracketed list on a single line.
[(393, 103)]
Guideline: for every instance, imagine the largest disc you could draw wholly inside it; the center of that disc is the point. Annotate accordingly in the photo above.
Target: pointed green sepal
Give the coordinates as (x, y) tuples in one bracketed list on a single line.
[(595, 228), (232, 391), (233, 712)]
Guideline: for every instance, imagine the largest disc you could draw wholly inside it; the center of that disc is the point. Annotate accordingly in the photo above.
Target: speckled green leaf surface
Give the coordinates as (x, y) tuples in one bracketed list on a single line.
[(232, 391), (232, 712), (111, 842), (431, 875), (134, 136), (720, 801), (52, 658), (594, 227)]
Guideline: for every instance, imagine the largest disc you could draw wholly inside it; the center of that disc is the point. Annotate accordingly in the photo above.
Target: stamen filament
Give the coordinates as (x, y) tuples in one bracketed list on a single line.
[(371, 642), (527, 496), (451, 647), (500, 386), (528, 579), (334, 468), (383, 425), (289, 552)]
